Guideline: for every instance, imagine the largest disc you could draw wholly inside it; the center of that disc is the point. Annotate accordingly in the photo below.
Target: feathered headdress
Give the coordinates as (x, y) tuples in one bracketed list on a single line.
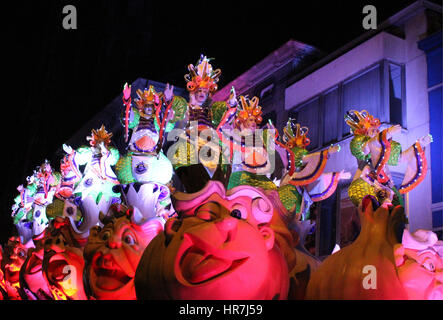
[(361, 122), (44, 169), (98, 136), (294, 135), (147, 97), (202, 76), (246, 109)]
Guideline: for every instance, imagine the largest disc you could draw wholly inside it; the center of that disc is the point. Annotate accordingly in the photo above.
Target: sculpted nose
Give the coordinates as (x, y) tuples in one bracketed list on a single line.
[(114, 242), (227, 227)]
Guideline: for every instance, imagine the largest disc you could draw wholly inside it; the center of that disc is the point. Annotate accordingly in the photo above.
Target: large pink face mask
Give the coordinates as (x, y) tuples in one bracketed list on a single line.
[(31, 276), (221, 247), (14, 256), (113, 253), (420, 265), (63, 261)]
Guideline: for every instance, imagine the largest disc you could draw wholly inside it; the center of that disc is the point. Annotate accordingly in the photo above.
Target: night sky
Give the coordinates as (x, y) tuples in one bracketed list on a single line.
[(55, 79)]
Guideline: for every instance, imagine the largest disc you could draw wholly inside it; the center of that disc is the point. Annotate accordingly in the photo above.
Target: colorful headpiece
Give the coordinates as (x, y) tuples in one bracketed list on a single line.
[(202, 76), (44, 169), (247, 109), (361, 122), (147, 97), (116, 210), (295, 136), (98, 136)]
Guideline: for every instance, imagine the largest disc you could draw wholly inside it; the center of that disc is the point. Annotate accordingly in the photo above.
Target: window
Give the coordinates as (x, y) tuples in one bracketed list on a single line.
[(326, 222), (362, 93), (270, 115), (378, 89), (331, 105), (397, 178), (349, 224), (307, 115), (395, 93), (265, 92)]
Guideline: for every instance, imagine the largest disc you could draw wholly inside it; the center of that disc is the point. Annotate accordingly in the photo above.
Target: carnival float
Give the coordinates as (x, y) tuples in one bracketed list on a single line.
[(205, 217)]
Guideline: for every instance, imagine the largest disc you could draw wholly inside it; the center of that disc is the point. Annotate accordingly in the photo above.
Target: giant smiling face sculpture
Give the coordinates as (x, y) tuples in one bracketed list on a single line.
[(32, 282), (113, 253), (14, 256), (220, 247), (420, 265), (2, 278), (63, 261)]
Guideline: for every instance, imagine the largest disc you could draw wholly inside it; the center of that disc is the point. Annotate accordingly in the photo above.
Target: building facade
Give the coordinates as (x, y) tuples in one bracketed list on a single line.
[(432, 46), (267, 79), (391, 73)]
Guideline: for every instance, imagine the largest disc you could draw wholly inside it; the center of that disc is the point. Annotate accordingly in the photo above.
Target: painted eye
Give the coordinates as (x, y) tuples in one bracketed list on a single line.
[(429, 265), (236, 213), (204, 215), (70, 211), (239, 211), (21, 253), (140, 168), (106, 235), (129, 239), (207, 211)]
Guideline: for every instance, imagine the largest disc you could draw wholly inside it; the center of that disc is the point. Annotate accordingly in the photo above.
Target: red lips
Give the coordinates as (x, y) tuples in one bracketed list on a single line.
[(34, 265)]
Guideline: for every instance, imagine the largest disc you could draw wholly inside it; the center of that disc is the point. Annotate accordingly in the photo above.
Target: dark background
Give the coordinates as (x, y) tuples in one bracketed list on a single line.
[(55, 79)]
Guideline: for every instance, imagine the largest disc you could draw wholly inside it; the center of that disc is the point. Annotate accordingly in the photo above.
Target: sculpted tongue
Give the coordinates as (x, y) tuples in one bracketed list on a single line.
[(110, 282), (56, 268), (197, 267)]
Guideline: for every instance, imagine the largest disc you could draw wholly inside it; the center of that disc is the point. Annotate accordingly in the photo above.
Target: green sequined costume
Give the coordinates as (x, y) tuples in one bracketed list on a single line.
[(186, 151), (179, 106), (288, 194), (360, 188), (123, 169)]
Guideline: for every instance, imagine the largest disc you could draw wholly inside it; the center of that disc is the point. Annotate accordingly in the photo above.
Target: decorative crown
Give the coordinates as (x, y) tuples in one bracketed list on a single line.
[(147, 97), (248, 108), (294, 135), (44, 169), (202, 76), (361, 122), (98, 136)]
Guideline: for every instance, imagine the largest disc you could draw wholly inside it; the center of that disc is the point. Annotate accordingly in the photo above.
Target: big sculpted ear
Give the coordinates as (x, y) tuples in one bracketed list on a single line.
[(268, 236), (399, 252)]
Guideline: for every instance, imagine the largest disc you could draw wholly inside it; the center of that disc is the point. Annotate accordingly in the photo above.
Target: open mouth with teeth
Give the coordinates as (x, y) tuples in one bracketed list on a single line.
[(56, 268), (107, 274), (198, 262), (12, 273)]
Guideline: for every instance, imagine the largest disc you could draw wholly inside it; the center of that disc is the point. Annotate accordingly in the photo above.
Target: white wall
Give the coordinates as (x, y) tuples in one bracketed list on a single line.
[(417, 117), (382, 46)]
